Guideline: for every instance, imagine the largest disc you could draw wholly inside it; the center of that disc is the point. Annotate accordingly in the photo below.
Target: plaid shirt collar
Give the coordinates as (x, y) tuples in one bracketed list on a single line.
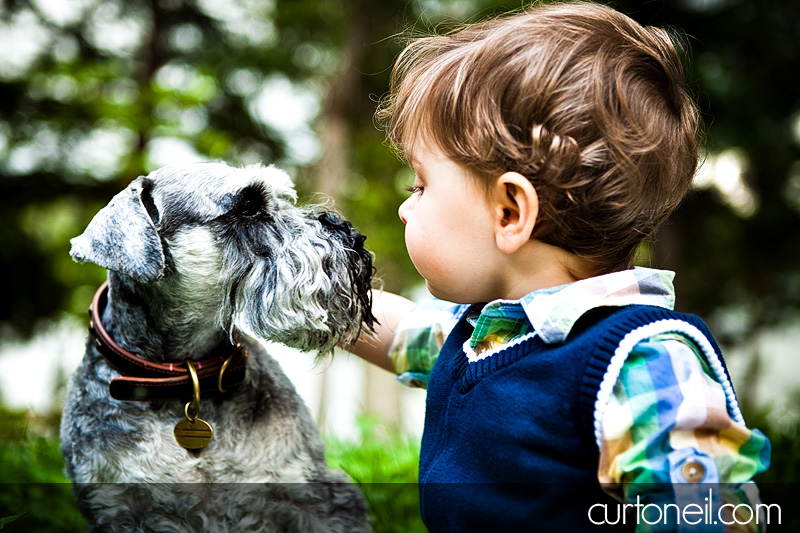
[(551, 313)]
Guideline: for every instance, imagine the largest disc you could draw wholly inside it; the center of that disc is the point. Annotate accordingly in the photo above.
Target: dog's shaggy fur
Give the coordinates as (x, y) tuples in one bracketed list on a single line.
[(194, 254)]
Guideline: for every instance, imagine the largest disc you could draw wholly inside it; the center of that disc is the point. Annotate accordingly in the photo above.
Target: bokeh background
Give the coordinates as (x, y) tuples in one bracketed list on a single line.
[(94, 93)]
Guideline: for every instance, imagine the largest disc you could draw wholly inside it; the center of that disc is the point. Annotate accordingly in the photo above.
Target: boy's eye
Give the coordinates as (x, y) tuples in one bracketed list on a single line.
[(414, 189)]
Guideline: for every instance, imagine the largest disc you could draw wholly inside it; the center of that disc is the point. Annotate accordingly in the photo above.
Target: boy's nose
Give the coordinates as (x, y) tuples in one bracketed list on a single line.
[(405, 209)]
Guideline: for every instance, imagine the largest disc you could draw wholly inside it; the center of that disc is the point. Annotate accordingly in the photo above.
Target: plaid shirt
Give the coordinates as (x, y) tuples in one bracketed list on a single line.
[(697, 420)]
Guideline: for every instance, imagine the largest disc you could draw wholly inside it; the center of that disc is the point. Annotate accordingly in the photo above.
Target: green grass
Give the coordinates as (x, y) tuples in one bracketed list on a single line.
[(384, 463), (34, 494), (36, 497)]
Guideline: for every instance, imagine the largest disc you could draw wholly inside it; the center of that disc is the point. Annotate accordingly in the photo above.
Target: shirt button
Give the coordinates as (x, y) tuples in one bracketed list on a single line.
[(693, 472)]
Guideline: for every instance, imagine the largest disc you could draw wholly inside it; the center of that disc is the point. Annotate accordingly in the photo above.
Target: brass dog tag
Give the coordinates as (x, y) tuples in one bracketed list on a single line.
[(193, 434)]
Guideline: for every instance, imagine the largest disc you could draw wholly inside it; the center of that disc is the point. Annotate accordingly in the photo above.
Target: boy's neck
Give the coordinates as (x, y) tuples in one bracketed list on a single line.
[(537, 266)]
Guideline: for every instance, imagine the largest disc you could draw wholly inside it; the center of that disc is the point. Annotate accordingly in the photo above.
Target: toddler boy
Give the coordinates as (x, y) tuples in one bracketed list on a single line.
[(546, 146)]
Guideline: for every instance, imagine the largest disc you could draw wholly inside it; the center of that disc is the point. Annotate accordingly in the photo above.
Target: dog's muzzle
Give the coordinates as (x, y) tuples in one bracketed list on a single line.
[(359, 262)]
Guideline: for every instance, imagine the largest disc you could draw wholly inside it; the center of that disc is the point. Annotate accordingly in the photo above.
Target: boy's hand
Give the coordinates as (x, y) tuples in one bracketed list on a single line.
[(388, 309)]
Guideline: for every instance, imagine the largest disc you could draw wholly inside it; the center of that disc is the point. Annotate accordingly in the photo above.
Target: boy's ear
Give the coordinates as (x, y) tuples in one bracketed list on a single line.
[(515, 209)]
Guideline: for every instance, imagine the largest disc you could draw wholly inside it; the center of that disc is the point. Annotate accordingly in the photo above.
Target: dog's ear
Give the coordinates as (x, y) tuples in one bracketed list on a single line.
[(122, 236)]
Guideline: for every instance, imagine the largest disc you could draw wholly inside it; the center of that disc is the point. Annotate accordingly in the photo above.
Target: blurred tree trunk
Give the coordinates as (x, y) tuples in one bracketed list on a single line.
[(342, 101)]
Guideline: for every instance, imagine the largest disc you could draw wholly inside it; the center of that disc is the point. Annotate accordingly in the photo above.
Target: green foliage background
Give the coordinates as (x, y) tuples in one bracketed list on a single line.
[(109, 90)]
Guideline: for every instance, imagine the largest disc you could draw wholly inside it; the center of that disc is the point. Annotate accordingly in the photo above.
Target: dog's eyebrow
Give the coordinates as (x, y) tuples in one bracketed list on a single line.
[(258, 187), (251, 200), (252, 192)]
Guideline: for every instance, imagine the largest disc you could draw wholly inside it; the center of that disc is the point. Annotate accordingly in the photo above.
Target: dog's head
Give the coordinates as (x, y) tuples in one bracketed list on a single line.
[(234, 237)]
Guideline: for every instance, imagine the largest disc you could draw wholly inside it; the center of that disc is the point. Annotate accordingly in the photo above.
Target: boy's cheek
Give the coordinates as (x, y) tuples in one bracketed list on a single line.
[(416, 249), (423, 251)]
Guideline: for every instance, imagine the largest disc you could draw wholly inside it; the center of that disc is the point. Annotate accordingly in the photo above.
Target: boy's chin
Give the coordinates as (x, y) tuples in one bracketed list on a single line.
[(449, 296), (437, 293)]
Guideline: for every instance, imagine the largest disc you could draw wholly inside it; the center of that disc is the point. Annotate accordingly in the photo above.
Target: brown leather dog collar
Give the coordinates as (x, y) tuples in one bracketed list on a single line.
[(148, 381)]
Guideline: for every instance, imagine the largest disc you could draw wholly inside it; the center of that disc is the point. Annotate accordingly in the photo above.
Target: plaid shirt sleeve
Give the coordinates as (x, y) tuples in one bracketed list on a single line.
[(419, 337), (667, 431)]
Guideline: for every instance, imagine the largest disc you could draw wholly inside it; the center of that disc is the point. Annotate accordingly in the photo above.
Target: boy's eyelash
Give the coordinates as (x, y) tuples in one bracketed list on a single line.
[(413, 189)]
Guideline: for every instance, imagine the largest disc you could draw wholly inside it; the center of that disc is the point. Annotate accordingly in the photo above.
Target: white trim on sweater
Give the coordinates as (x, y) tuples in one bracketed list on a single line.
[(647, 331)]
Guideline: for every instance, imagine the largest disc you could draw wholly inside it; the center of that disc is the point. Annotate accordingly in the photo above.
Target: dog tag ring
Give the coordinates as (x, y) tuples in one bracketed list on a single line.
[(193, 433)]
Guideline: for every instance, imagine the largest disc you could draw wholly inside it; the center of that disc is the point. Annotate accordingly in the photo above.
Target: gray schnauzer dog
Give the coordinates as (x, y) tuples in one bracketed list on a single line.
[(200, 257)]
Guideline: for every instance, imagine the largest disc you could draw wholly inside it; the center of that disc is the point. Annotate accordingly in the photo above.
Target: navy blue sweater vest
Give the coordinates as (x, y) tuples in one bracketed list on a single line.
[(509, 442)]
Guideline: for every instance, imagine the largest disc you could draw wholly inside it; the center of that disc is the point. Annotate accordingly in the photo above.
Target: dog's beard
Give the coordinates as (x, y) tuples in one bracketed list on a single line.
[(311, 293)]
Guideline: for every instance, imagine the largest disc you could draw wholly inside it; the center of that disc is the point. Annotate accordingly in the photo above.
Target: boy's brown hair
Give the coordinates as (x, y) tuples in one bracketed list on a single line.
[(586, 103)]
